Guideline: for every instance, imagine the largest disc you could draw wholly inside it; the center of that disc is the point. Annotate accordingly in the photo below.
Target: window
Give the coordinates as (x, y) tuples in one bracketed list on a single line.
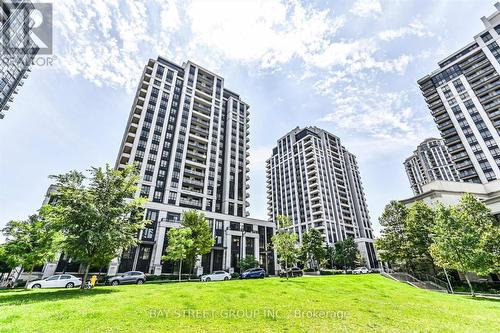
[(53, 278), (145, 191), (486, 37)]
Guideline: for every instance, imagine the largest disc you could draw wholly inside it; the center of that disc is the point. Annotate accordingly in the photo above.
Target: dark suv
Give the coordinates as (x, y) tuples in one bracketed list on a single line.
[(127, 277), (253, 273)]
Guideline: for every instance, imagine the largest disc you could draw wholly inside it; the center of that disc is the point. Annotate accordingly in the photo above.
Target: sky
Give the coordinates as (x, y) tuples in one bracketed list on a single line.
[(349, 67)]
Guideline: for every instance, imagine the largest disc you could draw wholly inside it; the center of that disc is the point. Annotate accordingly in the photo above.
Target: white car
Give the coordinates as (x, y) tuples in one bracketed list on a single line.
[(56, 281), (361, 270), (216, 276)]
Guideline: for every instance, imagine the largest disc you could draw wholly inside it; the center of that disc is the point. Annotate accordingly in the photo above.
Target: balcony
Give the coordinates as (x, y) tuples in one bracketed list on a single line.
[(193, 182), (445, 125), (198, 145), (200, 122), (194, 172), (199, 137), (190, 202), (196, 154), (448, 133), (201, 130)]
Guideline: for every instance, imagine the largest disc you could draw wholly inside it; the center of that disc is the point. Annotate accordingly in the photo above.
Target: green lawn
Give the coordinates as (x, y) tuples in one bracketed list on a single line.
[(309, 304)]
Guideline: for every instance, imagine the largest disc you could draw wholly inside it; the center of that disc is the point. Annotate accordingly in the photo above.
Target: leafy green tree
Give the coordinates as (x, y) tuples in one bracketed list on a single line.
[(30, 243), (200, 234), (418, 224), (285, 242), (97, 216), (392, 244), (463, 238), (346, 253), (5, 266), (180, 241), (249, 262), (330, 255), (312, 248)]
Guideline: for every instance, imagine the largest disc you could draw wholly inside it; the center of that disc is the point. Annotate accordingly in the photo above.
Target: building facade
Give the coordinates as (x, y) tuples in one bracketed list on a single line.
[(430, 161), (189, 137), (17, 49), (464, 98), (315, 181)]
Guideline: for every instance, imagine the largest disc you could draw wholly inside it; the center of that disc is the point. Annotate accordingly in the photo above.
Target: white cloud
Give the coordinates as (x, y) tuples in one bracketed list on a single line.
[(366, 8), (415, 28), (376, 117), (104, 40), (109, 41), (266, 32)]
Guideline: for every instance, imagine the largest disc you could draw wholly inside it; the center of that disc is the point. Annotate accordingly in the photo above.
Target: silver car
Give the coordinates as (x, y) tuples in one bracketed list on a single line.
[(127, 277)]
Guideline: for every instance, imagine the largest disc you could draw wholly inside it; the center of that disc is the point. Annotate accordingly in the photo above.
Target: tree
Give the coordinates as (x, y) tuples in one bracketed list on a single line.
[(97, 216), (418, 224), (330, 255), (249, 262), (179, 243), (30, 243), (284, 242), (463, 236), (5, 266), (346, 253), (392, 243), (200, 234), (312, 248)]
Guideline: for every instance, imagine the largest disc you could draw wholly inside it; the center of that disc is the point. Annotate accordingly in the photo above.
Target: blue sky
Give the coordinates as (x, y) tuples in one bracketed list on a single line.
[(349, 67)]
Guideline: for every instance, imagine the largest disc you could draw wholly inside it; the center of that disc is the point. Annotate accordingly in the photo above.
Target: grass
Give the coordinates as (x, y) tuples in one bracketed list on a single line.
[(308, 304)]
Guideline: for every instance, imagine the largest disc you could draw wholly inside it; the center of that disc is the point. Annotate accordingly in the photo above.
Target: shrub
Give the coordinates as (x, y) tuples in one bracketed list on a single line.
[(331, 272), (170, 277), (235, 275)]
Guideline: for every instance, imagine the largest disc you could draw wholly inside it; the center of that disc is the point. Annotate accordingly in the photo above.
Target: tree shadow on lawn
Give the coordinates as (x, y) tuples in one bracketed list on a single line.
[(43, 296), (292, 281), (484, 299), (10, 290)]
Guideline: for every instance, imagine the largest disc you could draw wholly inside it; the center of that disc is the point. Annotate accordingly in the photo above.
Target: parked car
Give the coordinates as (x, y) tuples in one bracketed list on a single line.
[(292, 272), (56, 281), (253, 273), (216, 276), (361, 270), (127, 277)]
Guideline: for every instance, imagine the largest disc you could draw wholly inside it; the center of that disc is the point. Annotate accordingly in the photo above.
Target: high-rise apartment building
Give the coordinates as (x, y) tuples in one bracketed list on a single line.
[(429, 162), (464, 98), (315, 181), (189, 137), (17, 50)]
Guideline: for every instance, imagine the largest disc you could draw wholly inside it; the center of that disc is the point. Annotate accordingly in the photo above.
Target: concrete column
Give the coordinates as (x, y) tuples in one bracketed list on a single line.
[(228, 251), (113, 266), (158, 247), (256, 248), (243, 246), (50, 267), (198, 268)]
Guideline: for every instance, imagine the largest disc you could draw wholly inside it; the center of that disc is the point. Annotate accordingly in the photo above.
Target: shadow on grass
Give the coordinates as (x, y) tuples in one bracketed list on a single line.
[(292, 281), (10, 290), (48, 296), (484, 299)]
